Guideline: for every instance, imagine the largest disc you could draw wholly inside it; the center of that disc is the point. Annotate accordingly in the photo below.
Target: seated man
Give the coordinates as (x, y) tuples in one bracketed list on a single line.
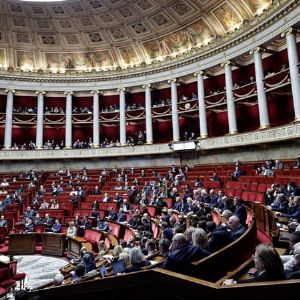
[(29, 226), (38, 220), (121, 216), (85, 224), (182, 254), (237, 229), (3, 222), (7, 200), (2, 207), (295, 210), (102, 225), (56, 228), (48, 222), (29, 213)]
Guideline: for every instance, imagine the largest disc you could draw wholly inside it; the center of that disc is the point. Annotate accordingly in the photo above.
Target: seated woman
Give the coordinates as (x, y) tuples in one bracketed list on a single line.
[(268, 266), (102, 249), (72, 230), (54, 205), (137, 260)]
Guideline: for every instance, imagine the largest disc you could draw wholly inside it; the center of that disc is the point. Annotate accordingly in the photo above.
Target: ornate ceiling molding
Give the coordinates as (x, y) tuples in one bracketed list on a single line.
[(192, 57)]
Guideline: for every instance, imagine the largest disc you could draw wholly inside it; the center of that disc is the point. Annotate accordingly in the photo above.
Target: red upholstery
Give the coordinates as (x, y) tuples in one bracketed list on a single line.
[(93, 237), (5, 281), (17, 276)]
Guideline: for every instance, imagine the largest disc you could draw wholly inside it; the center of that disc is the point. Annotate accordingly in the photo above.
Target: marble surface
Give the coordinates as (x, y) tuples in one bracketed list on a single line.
[(40, 269)]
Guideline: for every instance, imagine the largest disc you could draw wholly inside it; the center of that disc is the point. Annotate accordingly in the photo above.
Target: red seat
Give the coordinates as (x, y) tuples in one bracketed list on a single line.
[(253, 186), (252, 197), (260, 197), (17, 276), (238, 193), (262, 187), (5, 281), (230, 193), (245, 195)]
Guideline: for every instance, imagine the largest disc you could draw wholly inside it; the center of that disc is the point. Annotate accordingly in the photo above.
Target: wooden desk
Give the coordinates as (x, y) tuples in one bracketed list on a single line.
[(53, 243), (22, 243), (75, 244)]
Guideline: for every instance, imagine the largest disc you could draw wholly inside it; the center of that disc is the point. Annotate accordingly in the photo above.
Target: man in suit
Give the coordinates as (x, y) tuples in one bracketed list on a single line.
[(56, 228), (3, 222), (29, 226), (219, 238), (236, 227), (121, 217), (183, 254), (48, 222), (240, 210)]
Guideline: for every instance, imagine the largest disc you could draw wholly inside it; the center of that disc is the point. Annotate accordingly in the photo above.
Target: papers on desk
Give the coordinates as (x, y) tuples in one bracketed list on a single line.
[(4, 259)]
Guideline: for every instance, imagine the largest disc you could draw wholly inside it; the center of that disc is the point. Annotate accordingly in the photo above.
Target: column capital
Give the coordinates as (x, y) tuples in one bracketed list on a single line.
[(10, 91), (147, 85), (256, 49), (69, 93), (290, 30), (123, 89), (96, 92), (202, 73), (40, 93), (227, 63), (174, 80)]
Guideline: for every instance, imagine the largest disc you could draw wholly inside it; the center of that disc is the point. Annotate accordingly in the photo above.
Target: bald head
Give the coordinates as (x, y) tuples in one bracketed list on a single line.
[(179, 241)]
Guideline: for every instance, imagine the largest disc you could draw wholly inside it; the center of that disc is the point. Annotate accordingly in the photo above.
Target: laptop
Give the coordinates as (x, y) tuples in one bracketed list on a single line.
[(118, 266), (103, 271)]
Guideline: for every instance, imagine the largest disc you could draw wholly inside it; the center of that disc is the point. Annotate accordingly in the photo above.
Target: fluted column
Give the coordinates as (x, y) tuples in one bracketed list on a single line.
[(261, 95), (229, 98), (201, 104), (294, 73), (149, 130), (175, 120), (40, 120), (122, 116), (8, 118), (96, 125), (68, 134)]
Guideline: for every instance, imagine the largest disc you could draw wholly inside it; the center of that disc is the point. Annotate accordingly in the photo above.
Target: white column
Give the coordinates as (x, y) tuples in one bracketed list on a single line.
[(96, 125), (294, 73), (40, 120), (201, 104), (68, 133), (229, 98), (175, 120), (122, 116), (260, 88), (149, 130), (8, 118)]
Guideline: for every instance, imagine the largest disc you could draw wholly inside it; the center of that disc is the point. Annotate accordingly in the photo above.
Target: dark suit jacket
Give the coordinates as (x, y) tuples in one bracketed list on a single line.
[(180, 259), (121, 217), (241, 212), (219, 238), (238, 232)]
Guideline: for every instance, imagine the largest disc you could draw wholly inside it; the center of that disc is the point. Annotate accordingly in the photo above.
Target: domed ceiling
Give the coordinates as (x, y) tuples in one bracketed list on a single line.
[(113, 34)]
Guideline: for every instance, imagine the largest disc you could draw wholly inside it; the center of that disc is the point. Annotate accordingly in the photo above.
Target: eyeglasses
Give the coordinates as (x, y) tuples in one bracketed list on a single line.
[(255, 257)]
